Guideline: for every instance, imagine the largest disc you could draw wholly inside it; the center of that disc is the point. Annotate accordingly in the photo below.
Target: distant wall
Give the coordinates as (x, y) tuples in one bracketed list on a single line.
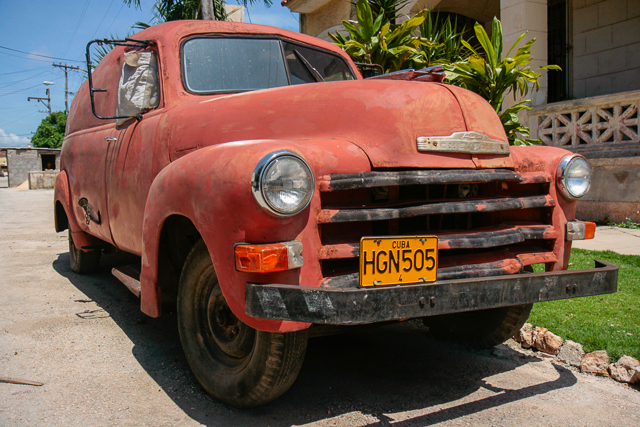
[(42, 179), (614, 194), (21, 161), (606, 47)]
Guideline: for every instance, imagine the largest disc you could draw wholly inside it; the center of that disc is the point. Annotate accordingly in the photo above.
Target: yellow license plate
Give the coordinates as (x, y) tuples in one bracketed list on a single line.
[(388, 261)]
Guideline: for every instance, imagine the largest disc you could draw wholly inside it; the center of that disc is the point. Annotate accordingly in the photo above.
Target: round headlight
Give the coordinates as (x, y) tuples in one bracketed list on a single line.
[(574, 176), (283, 183)]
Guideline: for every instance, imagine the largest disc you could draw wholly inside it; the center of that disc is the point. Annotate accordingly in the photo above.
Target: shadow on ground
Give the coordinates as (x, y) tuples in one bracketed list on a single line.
[(378, 371)]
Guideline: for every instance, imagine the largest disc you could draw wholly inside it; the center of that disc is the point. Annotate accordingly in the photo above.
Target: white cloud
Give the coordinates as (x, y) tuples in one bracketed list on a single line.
[(13, 140)]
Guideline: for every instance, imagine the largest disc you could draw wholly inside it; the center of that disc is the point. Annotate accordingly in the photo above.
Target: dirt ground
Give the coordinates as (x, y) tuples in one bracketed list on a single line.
[(105, 363)]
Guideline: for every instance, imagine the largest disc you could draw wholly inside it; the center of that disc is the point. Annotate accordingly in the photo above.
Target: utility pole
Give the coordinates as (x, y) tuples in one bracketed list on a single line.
[(66, 83), (48, 98)]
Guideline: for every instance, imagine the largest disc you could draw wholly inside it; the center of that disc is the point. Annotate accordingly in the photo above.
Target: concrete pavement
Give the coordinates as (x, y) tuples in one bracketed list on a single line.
[(624, 241)]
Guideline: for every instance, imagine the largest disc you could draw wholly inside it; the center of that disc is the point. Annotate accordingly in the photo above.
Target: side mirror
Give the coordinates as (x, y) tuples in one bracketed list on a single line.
[(142, 44)]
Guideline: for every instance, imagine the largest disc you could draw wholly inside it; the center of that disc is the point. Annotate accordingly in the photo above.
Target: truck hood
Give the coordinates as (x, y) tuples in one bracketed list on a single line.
[(382, 117)]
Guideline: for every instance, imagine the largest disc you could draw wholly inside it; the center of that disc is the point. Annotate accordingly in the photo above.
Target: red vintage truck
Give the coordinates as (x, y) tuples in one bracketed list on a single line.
[(272, 192)]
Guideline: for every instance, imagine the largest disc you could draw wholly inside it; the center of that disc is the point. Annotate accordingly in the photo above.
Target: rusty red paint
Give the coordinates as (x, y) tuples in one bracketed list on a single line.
[(193, 156)]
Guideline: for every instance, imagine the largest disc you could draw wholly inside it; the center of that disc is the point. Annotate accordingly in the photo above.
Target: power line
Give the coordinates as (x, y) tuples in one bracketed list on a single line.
[(21, 90), (103, 17), (28, 78), (37, 54), (22, 118), (114, 19), (23, 71), (84, 11)]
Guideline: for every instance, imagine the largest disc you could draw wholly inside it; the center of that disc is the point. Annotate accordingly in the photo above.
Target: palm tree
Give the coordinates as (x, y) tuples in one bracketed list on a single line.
[(173, 10)]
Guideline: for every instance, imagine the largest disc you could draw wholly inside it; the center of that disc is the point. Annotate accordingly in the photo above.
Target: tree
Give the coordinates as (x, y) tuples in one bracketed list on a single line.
[(50, 133), (493, 76), (173, 10)]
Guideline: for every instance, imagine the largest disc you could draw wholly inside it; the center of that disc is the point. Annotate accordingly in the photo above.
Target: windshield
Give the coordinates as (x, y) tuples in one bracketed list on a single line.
[(224, 64)]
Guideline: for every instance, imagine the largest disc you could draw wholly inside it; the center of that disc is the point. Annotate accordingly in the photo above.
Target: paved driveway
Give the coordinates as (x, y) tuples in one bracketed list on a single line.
[(103, 362)]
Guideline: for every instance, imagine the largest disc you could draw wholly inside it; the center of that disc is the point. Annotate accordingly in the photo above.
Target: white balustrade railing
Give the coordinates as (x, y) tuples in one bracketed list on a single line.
[(609, 121)]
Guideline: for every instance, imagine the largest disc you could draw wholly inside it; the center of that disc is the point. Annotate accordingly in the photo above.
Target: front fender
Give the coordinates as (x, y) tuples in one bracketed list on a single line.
[(212, 187)]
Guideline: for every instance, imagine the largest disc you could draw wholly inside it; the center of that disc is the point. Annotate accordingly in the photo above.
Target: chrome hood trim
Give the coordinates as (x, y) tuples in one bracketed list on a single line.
[(463, 142)]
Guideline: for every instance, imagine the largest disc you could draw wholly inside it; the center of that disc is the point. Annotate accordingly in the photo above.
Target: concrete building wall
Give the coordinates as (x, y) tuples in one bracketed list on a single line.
[(325, 17), (606, 47), (21, 161)]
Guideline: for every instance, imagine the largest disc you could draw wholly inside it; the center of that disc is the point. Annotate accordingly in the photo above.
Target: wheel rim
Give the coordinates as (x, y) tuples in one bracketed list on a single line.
[(233, 337), (221, 335)]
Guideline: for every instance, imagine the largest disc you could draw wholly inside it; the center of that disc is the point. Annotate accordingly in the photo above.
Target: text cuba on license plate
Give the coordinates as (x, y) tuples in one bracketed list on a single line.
[(398, 260)]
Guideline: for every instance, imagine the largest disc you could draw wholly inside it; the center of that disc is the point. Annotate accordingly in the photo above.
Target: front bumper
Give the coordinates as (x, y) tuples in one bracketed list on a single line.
[(350, 306)]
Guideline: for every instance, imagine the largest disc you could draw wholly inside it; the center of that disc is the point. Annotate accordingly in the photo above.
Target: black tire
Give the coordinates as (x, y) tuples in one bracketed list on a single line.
[(235, 363), (479, 329), (82, 262)]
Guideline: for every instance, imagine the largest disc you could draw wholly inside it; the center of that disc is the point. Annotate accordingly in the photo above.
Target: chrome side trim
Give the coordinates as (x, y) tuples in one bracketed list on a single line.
[(463, 142)]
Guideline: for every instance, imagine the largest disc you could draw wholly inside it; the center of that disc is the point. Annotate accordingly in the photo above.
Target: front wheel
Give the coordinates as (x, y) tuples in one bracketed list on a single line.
[(481, 328), (235, 363)]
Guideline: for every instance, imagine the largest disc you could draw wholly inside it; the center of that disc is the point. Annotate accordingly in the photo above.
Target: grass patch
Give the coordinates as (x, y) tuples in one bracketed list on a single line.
[(606, 322)]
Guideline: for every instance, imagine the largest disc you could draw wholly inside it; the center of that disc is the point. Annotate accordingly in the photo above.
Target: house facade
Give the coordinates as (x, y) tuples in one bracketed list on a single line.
[(591, 107)]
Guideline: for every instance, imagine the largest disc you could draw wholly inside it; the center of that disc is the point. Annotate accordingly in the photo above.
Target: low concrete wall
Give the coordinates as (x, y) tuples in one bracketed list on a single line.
[(615, 193), (44, 179)]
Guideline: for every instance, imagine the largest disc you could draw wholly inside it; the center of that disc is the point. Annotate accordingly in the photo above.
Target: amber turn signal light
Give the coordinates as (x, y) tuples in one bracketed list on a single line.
[(589, 230), (269, 257), (580, 230)]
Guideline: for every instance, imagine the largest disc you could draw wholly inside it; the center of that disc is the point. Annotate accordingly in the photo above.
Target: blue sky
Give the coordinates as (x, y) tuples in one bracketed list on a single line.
[(61, 29)]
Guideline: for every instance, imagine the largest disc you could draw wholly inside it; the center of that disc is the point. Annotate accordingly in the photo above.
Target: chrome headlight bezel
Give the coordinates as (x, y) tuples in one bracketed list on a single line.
[(563, 169), (257, 181)]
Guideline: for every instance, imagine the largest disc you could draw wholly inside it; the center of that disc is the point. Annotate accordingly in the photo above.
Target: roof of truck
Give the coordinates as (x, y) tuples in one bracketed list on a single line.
[(177, 30)]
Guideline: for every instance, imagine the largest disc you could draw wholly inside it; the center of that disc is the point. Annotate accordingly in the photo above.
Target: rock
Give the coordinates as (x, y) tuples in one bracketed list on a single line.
[(524, 336), (636, 376), (624, 369), (594, 362), (546, 341), (571, 353)]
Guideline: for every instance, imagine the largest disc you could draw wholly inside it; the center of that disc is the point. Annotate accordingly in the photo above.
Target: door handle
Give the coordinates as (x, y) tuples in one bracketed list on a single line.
[(110, 138)]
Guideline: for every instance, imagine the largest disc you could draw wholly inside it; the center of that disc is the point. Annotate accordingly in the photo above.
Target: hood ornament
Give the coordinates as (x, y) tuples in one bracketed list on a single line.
[(463, 142)]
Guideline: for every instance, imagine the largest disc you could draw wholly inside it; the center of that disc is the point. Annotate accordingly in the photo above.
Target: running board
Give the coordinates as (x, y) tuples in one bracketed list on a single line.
[(130, 276)]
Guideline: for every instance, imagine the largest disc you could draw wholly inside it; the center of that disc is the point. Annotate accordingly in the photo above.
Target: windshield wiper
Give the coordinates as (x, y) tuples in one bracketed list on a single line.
[(308, 66)]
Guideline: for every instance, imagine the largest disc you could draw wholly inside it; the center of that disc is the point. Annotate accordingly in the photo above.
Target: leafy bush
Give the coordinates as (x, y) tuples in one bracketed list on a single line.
[(492, 76), (374, 41), (50, 133)]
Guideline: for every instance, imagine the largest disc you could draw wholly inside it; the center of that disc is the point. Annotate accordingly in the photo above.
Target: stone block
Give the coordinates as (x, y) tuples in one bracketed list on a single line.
[(601, 85), (513, 19), (579, 45), (625, 81), (579, 89), (633, 56), (612, 61), (585, 19), (577, 4), (633, 9), (585, 66), (599, 40), (594, 362), (624, 369), (536, 16), (590, 2), (611, 12), (627, 32), (39, 180), (571, 353)]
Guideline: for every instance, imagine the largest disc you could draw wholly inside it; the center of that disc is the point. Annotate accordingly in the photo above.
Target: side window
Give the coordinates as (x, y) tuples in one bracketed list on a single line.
[(310, 65), (139, 89)]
